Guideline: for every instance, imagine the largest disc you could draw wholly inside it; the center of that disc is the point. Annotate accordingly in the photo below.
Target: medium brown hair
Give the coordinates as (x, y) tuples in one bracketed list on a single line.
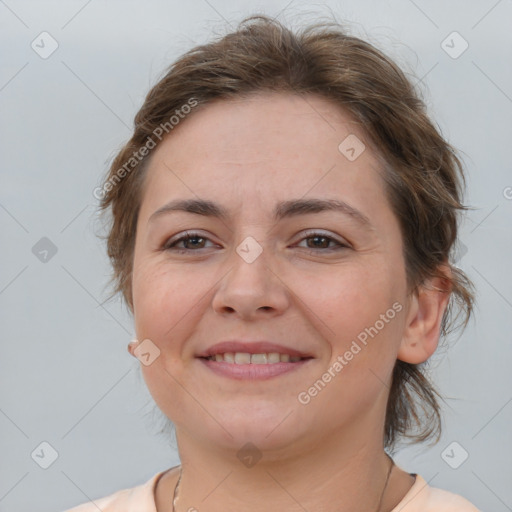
[(423, 175)]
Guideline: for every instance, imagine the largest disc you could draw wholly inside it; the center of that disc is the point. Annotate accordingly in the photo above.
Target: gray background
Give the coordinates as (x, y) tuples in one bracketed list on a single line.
[(65, 374)]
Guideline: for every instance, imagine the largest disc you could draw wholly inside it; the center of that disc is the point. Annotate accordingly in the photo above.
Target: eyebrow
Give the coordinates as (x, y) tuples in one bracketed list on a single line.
[(284, 209)]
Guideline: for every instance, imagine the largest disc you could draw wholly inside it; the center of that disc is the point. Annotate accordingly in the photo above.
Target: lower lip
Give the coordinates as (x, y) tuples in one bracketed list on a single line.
[(252, 371)]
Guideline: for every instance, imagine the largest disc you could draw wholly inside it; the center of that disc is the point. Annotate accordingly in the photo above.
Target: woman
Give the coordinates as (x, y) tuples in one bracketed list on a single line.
[(282, 224)]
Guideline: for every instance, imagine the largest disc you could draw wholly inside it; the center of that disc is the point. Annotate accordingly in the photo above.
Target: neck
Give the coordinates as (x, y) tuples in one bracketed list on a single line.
[(331, 476)]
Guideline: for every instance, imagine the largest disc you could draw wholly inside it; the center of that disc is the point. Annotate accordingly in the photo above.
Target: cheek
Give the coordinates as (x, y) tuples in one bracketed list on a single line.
[(362, 311), (350, 298), (161, 299), (163, 312)]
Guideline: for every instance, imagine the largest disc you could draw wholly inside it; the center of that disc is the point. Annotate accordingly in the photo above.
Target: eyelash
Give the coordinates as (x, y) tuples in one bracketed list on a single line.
[(191, 234)]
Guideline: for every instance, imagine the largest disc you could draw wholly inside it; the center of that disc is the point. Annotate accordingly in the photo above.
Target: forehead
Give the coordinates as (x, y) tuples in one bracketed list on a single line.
[(262, 149), (264, 124)]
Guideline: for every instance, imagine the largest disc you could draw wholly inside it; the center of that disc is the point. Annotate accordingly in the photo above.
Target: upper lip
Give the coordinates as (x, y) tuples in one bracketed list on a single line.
[(252, 347)]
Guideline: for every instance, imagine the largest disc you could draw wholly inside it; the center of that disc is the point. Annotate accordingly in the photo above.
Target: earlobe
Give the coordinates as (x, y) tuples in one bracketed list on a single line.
[(425, 315), (132, 346)]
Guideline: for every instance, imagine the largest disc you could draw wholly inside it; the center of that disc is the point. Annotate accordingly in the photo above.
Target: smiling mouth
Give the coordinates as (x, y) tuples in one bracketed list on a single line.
[(245, 366), (247, 358)]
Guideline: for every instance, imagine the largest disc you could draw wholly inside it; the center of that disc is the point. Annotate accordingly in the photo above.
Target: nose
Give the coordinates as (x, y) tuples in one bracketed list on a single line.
[(252, 289)]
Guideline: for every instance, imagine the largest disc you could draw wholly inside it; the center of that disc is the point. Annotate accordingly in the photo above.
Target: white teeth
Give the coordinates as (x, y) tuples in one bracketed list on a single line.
[(273, 357), (259, 359), (246, 358), (242, 358)]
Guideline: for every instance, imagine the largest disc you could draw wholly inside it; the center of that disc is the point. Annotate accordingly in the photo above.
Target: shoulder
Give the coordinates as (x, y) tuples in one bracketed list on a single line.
[(140, 497), (423, 498)]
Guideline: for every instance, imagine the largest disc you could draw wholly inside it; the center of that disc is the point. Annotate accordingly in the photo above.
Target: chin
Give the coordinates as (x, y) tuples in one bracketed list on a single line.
[(271, 428)]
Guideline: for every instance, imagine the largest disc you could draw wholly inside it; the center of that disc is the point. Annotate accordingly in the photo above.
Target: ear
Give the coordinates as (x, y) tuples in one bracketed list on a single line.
[(424, 316)]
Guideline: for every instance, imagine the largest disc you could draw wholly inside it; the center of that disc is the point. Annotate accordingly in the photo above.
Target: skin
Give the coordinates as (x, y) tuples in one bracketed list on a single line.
[(248, 154)]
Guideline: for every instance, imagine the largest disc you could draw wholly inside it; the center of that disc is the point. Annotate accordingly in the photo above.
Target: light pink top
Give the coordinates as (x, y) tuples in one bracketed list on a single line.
[(420, 498)]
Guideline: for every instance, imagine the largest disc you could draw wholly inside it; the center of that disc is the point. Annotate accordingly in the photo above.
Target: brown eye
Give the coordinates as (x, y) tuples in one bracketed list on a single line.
[(318, 241)]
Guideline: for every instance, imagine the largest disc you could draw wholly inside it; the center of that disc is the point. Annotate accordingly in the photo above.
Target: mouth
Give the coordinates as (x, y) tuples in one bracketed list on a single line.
[(248, 358), (252, 360)]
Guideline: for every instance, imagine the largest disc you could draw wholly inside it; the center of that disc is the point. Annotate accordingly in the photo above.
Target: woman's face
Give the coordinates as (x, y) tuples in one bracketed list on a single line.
[(323, 284)]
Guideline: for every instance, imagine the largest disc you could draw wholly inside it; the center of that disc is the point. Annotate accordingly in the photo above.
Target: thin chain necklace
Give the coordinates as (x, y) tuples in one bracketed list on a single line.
[(175, 494)]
